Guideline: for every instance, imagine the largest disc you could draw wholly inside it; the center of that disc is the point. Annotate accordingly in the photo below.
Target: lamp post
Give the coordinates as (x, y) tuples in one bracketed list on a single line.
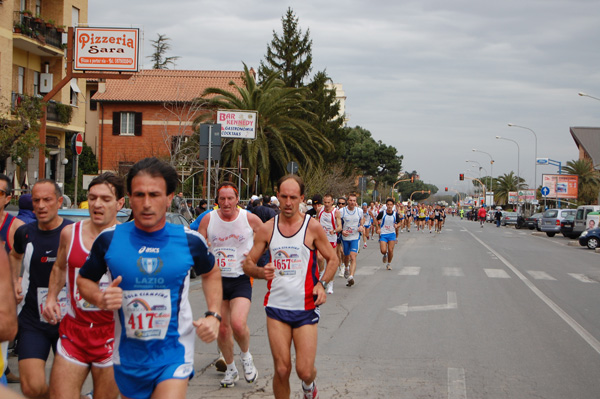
[(535, 160), (587, 95), (491, 167), (518, 157)]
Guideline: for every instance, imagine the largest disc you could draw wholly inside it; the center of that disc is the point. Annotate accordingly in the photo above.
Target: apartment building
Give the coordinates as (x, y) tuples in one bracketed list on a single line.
[(32, 61)]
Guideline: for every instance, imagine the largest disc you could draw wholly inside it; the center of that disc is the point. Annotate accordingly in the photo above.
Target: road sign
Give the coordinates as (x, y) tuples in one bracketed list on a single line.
[(545, 191), (541, 161), (215, 141), (292, 167), (79, 143)]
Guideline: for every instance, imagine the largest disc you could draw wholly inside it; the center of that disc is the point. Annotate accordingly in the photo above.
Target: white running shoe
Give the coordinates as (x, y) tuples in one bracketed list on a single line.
[(231, 376), (388, 267), (312, 394), (384, 258), (350, 282), (330, 287), (346, 272), (341, 270), (250, 372)]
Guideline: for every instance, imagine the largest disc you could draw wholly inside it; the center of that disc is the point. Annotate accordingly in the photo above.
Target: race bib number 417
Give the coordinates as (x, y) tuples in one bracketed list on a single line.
[(147, 313)]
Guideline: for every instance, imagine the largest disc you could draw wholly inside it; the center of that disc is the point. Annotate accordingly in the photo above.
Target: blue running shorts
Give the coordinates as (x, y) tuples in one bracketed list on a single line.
[(139, 383), (350, 246), (387, 237), (294, 318)]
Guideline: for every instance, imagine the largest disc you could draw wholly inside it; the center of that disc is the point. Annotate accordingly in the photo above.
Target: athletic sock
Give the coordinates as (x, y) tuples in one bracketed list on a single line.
[(308, 388), (231, 367), (245, 355)]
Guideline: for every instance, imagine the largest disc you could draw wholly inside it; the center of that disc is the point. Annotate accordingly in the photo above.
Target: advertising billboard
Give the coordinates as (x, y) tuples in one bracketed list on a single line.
[(561, 186), (513, 197), (237, 124), (106, 49)]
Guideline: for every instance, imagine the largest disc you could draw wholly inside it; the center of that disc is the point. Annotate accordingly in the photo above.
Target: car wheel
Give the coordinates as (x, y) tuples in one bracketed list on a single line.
[(550, 234), (592, 243)]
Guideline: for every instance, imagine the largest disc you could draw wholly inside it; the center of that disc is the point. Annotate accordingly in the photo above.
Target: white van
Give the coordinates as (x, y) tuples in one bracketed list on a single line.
[(580, 217)]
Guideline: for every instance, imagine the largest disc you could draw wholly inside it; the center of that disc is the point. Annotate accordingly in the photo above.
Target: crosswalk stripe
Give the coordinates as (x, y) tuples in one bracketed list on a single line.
[(409, 271), (582, 277), (366, 270), (452, 271), (496, 273), (537, 275)]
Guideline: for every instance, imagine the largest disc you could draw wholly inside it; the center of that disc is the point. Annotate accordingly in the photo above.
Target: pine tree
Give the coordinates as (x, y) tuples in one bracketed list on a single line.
[(289, 56), (161, 46)]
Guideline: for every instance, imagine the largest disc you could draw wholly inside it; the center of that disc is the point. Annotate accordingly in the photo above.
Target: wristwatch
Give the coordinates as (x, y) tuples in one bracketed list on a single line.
[(214, 314), (324, 284)]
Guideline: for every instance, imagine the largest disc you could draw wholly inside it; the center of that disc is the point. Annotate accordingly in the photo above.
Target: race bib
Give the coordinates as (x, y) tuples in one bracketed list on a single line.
[(42, 295), (226, 258), (147, 313), (287, 266), (82, 303)]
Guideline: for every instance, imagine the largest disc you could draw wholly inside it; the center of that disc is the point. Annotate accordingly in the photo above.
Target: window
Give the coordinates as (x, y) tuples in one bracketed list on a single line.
[(93, 103), (38, 7), (36, 83), (21, 80), (127, 123), (75, 16)]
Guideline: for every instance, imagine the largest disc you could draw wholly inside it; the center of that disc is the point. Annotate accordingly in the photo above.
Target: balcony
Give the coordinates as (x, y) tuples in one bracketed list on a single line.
[(55, 111), (36, 36)]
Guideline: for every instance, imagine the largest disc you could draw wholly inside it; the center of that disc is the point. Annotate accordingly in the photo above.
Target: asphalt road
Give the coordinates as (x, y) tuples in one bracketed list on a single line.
[(469, 313)]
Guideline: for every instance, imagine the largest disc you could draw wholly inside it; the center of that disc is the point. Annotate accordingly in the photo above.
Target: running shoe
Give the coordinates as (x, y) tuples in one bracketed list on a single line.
[(341, 271), (231, 376), (350, 282), (364, 246), (250, 372), (89, 395), (384, 259), (311, 394), (220, 364), (388, 267), (330, 287), (346, 272)]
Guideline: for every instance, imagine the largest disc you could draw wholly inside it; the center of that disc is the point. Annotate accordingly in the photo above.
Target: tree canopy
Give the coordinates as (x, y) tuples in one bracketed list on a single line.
[(159, 59)]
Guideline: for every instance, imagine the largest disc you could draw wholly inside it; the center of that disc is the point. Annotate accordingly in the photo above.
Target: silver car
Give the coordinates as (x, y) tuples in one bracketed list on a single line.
[(550, 222)]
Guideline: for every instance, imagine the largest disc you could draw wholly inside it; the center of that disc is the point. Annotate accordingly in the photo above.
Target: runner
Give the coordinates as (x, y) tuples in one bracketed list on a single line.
[(367, 225), (352, 225), (86, 332), (292, 302), (35, 249), (481, 213), (344, 270), (330, 220), (149, 263), (388, 220), (230, 232), (8, 310), (408, 217)]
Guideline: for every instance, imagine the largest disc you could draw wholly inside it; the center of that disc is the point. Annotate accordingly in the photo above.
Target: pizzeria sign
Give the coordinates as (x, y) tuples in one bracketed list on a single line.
[(107, 49)]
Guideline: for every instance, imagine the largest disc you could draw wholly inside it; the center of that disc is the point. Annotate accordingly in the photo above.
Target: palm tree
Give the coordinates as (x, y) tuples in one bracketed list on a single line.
[(504, 184), (588, 183), (281, 136)]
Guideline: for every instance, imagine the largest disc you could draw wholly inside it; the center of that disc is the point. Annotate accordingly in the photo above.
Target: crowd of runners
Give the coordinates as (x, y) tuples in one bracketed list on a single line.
[(111, 300)]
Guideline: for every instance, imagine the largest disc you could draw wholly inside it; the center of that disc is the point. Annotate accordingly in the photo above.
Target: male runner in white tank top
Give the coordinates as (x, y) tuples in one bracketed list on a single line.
[(229, 232), (295, 293)]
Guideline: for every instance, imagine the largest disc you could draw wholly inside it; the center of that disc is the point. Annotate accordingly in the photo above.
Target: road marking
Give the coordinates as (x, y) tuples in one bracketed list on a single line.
[(537, 275), (582, 277), (409, 271), (457, 387), (453, 271), (583, 333), (403, 309), (366, 270), (496, 273)]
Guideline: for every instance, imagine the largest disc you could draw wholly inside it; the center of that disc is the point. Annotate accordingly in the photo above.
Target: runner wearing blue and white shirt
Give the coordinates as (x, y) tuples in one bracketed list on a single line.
[(352, 225), (149, 263), (388, 221)]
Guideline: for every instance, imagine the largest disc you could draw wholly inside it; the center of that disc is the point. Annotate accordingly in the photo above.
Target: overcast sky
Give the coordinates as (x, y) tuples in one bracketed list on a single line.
[(433, 78)]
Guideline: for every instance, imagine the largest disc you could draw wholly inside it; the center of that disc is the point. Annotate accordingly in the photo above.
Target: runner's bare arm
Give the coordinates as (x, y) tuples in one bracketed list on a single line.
[(261, 239), (338, 222), (110, 299), (15, 260), (8, 305), (58, 277), (203, 227), (207, 328)]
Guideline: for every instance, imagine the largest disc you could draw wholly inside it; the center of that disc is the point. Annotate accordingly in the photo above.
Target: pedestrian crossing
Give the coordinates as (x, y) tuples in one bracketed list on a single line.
[(413, 271)]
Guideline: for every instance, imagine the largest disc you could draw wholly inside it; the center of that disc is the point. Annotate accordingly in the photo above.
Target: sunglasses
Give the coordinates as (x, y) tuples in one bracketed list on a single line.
[(341, 203)]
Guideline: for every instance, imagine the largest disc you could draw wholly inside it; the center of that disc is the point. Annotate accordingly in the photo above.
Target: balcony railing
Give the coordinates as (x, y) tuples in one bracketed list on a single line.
[(55, 111), (37, 29)]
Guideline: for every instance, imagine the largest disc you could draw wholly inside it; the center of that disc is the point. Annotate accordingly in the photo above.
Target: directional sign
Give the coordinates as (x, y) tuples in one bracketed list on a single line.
[(545, 191), (403, 309), (79, 143), (292, 167)]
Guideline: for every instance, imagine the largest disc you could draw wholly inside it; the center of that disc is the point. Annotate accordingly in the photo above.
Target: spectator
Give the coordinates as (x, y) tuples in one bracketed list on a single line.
[(26, 209), (201, 208)]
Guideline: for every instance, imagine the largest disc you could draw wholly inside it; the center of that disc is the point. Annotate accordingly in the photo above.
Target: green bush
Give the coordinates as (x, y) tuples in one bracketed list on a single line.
[(64, 112)]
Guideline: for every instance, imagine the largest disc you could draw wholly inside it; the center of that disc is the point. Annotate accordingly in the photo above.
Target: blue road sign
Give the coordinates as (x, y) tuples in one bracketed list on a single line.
[(545, 191)]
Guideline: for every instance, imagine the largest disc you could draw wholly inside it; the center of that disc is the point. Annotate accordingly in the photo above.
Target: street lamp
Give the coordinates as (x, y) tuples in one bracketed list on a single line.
[(518, 157), (491, 167), (587, 95), (535, 160)]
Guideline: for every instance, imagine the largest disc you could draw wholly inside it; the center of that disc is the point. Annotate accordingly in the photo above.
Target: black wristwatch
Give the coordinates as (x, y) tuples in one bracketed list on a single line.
[(214, 314)]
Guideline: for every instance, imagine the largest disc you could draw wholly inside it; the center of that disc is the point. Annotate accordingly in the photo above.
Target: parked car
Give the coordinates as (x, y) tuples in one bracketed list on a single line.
[(581, 216), (551, 219), (509, 218), (75, 215), (566, 227), (177, 218), (590, 238), (531, 222)]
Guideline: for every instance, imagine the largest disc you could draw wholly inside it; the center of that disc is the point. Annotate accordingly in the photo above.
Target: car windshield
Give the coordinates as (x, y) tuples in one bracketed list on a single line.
[(551, 213), (565, 214)]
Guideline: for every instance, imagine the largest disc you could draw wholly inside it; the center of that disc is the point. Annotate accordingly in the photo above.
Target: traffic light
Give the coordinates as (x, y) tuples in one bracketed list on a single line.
[(446, 189), (461, 176)]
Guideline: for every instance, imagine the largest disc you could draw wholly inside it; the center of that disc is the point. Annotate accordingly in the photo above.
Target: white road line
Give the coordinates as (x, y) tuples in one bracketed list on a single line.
[(496, 273), (366, 270), (452, 271), (537, 275), (457, 386), (582, 277), (583, 333), (409, 271)]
